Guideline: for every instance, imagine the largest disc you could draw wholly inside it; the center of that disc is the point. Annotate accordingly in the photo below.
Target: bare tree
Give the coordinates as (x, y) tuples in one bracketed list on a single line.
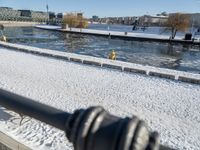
[(177, 22), (73, 20)]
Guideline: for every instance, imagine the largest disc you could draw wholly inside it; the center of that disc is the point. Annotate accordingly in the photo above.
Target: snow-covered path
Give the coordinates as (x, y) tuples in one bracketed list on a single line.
[(170, 107), (108, 32)]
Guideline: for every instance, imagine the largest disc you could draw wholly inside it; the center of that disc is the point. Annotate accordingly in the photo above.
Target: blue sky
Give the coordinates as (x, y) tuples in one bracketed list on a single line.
[(105, 8)]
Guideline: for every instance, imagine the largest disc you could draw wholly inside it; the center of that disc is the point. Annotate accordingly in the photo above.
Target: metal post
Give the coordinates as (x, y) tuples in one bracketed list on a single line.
[(42, 112), (47, 7), (90, 129)]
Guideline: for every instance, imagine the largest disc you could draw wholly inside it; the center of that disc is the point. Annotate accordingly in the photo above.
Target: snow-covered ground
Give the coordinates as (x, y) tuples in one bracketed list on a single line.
[(102, 61), (107, 32), (155, 33), (170, 107), (150, 32)]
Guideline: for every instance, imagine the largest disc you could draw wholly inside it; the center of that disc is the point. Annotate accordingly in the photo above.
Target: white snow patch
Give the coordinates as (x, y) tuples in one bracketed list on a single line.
[(102, 61), (170, 107), (104, 32), (48, 26)]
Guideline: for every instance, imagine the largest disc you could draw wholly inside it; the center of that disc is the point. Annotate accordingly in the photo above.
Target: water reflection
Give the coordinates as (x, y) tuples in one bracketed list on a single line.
[(73, 42), (179, 57), (172, 50)]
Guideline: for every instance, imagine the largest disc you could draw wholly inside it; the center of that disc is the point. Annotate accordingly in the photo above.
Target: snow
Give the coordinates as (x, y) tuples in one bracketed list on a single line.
[(119, 30), (117, 33), (48, 26), (102, 61), (170, 107)]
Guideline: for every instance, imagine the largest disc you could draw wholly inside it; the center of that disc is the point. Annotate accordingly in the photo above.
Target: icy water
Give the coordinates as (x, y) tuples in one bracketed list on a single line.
[(178, 57)]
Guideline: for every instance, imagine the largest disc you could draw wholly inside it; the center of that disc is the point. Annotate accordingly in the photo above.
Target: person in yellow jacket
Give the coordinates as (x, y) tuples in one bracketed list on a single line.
[(112, 55), (4, 38)]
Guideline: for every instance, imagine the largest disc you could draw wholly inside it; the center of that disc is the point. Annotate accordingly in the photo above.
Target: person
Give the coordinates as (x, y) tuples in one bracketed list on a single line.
[(112, 55), (134, 28), (135, 25), (3, 38)]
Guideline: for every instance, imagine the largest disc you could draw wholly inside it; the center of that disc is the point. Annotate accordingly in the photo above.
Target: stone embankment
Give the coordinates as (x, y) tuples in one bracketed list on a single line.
[(17, 23), (123, 35), (112, 64)]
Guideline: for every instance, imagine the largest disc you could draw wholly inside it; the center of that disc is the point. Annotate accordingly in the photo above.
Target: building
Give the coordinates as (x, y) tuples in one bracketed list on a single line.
[(39, 16), (7, 13), (52, 15), (129, 20), (115, 20), (95, 18), (195, 20), (148, 20), (25, 13), (60, 15)]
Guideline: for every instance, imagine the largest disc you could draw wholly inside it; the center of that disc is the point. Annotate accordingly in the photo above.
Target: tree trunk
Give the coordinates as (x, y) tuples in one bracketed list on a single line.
[(172, 33), (175, 33)]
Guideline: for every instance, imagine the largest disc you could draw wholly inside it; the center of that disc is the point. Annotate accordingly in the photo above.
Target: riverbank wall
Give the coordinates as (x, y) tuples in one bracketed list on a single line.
[(17, 24), (109, 64), (8, 143), (123, 35)]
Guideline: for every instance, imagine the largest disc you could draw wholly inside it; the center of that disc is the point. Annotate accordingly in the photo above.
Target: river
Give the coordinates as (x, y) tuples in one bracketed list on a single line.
[(172, 56)]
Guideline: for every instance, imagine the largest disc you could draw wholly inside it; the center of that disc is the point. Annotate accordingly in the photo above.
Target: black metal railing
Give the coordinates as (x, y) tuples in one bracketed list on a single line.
[(88, 129)]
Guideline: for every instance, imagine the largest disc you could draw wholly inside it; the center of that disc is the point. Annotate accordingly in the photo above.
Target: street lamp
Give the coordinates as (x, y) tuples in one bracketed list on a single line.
[(47, 7)]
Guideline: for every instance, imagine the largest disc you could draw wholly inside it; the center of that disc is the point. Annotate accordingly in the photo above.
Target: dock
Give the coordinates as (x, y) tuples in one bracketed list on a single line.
[(122, 35)]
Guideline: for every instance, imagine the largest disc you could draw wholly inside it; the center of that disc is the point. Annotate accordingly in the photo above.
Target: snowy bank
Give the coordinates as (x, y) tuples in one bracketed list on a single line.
[(122, 35), (102, 62), (170, 107)]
